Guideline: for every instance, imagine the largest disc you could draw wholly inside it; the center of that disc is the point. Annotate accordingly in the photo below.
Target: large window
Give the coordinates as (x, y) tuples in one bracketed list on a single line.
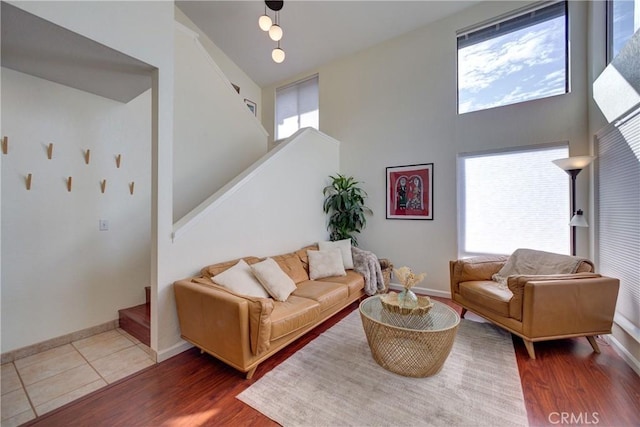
[(618, 221), (513, 199), (517, 58), (623, 20), (297, 107)]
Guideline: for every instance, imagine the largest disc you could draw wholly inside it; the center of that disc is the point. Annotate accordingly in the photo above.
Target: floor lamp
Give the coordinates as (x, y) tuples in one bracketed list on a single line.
[(573, 166)]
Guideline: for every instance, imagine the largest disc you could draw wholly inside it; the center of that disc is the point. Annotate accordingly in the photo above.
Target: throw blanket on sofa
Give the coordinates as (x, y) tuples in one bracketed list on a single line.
[(532, 262), (367, 264)]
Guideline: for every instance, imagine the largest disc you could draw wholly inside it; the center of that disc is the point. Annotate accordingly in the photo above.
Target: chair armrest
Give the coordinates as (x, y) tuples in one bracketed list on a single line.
[(567, 304), (475, 268), (224, 324)]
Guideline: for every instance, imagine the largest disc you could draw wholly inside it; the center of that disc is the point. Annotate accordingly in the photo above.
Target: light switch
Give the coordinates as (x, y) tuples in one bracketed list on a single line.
[(104, 225)]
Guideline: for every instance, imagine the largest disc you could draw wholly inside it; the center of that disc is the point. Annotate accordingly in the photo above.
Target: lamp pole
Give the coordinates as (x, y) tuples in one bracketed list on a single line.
[(573, 173)]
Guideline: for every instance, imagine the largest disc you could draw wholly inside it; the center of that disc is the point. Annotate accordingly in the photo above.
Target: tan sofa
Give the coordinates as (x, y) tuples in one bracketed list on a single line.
[(536, 307), (243, 331)]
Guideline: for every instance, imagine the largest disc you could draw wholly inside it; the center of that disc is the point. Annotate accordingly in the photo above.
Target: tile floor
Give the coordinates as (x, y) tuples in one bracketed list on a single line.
[(45, 381)]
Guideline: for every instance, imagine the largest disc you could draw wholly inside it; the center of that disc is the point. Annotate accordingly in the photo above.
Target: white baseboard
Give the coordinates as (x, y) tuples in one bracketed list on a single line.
[(174, 350), (424, 291), (624, 353)]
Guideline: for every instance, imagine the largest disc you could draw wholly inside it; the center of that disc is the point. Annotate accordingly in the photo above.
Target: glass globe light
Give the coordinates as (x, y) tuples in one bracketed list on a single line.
[(264, 22), (275, 32), (277, 55)]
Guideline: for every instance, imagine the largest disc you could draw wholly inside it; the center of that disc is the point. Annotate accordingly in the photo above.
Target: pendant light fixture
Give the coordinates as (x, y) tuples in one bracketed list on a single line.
[(277, 54), (273, 27), (265, 22)]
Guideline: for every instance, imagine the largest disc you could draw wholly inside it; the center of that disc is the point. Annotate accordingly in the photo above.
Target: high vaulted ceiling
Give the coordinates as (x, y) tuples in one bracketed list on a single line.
[(315, 32)]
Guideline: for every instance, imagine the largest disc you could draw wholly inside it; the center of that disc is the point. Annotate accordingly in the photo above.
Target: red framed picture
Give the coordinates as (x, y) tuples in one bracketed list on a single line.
[(410, 192)]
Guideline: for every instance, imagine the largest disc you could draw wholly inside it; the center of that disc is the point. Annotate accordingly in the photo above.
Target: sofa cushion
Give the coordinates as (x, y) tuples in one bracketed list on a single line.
[(213, 269), (326, 294), (304, 258), (240, 279), (291, 315), (487, 293), (325, 264), (345, 249), (274, 280), (291, 264), (353, 280)]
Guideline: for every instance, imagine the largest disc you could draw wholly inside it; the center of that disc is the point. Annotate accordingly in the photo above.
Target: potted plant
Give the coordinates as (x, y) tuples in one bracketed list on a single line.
[(344, 202)]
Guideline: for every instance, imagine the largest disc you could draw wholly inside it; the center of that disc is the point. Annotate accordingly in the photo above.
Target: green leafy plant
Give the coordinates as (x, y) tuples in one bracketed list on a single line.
[(344, 202)]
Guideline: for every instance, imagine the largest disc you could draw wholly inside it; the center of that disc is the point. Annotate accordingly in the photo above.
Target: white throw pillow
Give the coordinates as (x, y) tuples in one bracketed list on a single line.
[(240, 279), (325, 264), (345, 250), (275, 281)]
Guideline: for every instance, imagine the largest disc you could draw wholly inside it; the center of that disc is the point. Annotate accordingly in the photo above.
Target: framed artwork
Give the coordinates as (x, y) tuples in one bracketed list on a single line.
[(252, 106), (410, 192)]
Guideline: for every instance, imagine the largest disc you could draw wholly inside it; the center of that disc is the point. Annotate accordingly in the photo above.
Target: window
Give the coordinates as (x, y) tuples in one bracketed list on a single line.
[(297, 107), (623, 20), (617, 226), (513, 199), (517, 58)]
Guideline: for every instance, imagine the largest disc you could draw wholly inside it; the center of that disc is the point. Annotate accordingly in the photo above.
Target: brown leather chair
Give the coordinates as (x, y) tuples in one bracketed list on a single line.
[(536, 307)]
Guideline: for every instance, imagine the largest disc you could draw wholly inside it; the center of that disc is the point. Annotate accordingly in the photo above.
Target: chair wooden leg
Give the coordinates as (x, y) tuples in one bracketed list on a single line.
[(594, 344), (464, 311), (529, 346), (251, 371)]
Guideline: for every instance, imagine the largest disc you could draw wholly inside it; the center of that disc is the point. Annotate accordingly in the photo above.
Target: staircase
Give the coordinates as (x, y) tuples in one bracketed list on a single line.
[(136, 320)]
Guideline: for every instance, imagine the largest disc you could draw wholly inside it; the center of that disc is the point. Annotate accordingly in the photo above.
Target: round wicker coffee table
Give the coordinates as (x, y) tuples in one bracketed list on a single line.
[(409, 345)]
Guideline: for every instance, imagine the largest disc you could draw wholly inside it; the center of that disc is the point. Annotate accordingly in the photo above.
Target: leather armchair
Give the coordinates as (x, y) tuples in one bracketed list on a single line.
[(536, 308)]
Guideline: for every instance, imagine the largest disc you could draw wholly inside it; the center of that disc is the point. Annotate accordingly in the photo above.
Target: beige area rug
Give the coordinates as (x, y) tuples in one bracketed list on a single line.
[(334, 381)]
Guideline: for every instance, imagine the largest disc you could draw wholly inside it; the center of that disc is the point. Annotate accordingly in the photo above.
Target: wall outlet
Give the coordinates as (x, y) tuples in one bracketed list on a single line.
[(103, 225)]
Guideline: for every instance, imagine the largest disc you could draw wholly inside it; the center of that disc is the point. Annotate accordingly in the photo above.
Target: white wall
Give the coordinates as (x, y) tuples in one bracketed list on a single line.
[(60, 273), (141, 30), (395, 104), (262, 212), (215, 135), (248, 88)]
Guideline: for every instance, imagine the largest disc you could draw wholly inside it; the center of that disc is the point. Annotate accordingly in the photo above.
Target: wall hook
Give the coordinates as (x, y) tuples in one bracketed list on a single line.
[(131, 184), (69, 182), (29, 181), (87, 156), (5, 145), (50, 151), (118, 159), (103, 185)]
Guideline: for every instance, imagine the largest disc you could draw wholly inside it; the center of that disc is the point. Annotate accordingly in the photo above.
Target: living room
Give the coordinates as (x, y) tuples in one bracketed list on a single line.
[(391, 104)]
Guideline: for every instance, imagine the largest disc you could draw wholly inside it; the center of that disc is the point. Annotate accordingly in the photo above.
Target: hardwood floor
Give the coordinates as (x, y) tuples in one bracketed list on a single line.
[(566, 384)]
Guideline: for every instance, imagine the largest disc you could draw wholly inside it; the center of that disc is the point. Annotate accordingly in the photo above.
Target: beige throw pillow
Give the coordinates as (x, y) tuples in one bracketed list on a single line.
[(345, 250), (240, 279), (325, 264), (274, 280)]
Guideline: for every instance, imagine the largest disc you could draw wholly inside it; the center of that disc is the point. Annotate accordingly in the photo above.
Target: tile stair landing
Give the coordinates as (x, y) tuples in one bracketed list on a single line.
[(40, 383)]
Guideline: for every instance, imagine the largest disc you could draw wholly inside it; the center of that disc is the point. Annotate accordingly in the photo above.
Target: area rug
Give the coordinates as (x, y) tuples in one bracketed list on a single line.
[(334, 381)]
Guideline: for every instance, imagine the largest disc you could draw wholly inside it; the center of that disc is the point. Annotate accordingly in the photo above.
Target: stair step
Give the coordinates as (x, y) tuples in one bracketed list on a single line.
[(136, 322)]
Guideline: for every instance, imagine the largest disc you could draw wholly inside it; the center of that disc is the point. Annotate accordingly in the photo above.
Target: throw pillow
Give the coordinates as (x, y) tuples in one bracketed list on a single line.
[(240, 279), (345, 250), (274, 280), (325, 264)]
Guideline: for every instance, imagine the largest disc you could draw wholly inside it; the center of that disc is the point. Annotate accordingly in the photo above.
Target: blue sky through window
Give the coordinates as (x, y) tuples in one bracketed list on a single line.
[(526, 64), (624, 23)]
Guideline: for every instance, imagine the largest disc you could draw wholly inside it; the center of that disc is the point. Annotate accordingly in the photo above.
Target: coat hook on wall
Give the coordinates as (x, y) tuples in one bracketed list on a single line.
[(103, 185), (87, 156), (29, 181), (69, 181), (5, 145), (131, 184), (50, 151), (118, 159)]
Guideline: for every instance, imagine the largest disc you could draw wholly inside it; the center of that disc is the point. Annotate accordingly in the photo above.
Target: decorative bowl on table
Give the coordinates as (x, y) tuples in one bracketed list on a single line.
[(391, 303)]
